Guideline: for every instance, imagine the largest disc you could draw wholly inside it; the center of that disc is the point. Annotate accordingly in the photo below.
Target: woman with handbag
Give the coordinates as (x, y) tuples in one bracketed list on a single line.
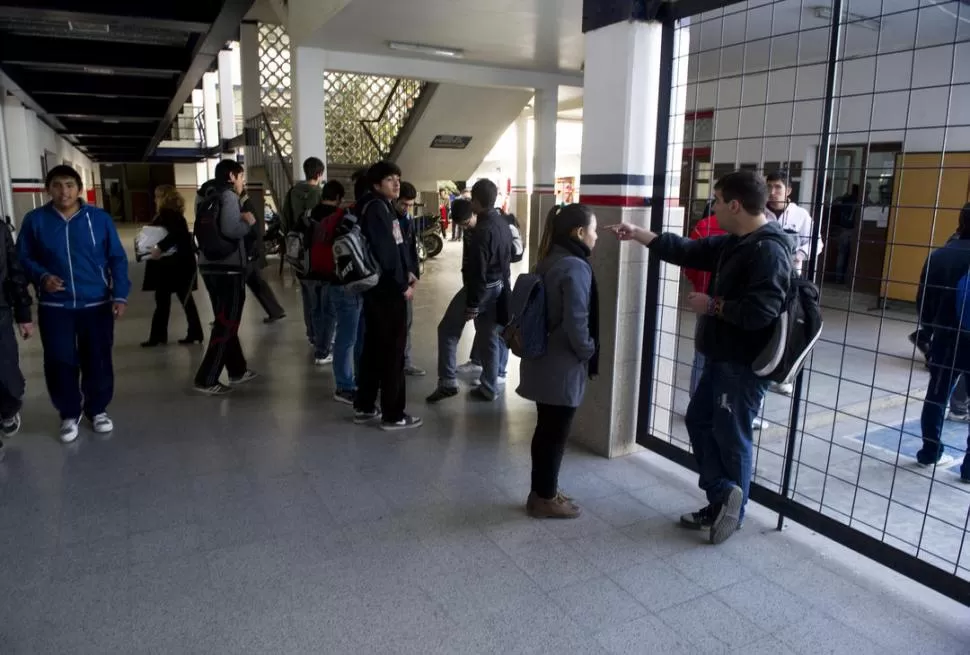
[(172, 269)]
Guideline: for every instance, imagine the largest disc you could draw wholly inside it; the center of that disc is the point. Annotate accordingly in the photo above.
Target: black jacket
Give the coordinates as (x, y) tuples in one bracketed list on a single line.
[(488, 256), (945, 300), (319, 213), (13, 279), (750, 276), (381, 227), (410, 229), (174, 273)]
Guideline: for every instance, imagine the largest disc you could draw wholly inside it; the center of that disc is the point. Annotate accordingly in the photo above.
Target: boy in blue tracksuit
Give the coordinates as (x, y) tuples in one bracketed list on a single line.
[(74, 258)]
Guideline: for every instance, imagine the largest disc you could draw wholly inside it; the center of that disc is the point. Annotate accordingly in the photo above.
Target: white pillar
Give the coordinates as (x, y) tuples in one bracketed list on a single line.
[(6, 185), (309, 132), (520, 179), (227, 114), (252, 100), (621, 87), (210, 105), (546, 111)]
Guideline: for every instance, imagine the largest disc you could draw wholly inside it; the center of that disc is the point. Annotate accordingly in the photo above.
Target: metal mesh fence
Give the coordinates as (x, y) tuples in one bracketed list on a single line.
[(896, 175)]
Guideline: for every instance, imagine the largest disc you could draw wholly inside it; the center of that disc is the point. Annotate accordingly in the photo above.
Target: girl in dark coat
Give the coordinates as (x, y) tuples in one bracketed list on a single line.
[(174, 273)]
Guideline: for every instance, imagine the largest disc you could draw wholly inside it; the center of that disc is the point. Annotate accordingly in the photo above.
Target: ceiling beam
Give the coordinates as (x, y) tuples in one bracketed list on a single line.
[(193, 16), (59, 105), (43, 83), (92, 54), (225, 28), (82, 128)]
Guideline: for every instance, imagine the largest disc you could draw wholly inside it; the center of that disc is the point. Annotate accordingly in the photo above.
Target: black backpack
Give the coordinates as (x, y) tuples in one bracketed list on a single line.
[(796, 331), (213, 245)]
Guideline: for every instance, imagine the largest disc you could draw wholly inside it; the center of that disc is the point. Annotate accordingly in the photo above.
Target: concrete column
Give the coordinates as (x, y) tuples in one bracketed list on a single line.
[(210, 105), (309, 131), (621, 85), (6, 185), (227, 114), (252, 93), (520, 179), (543, 195)]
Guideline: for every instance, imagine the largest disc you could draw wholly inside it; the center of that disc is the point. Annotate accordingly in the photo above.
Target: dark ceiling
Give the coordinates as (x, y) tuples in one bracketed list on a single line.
[(111, 75)]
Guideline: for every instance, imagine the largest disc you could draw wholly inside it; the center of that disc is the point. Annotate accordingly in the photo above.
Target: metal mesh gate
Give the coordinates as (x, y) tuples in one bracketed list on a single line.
[(865, 104), (363, 114)]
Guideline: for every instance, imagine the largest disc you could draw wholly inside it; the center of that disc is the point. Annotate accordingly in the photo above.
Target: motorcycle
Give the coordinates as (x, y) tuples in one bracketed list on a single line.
[(272, 235), (430, 236)]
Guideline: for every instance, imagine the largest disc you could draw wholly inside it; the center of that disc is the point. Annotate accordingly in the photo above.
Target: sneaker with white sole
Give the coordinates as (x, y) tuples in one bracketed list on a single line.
[(69, 430), (217, 389), (345, 396), (323, 361), (757, 423), (469, 367), (248, 376), (10, 426), (959, 417), (406, 423), (783, 389), (726, 522), (102, 423), (361, 418)]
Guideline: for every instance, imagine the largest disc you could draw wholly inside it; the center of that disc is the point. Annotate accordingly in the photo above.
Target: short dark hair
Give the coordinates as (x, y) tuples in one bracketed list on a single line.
[(461, 210), (963, 225), (408, 191), (333, 191), (226, 169), (781, 175), (485, 193), (381, 170), (63, 170), (313, 168), (747, 187)]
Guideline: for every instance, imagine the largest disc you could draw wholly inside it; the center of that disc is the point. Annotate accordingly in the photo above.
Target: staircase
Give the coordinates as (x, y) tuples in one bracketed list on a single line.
[(264, 154)]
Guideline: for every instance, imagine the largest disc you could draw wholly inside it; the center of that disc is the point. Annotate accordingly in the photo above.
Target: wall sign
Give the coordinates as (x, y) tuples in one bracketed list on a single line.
[(450, 142)]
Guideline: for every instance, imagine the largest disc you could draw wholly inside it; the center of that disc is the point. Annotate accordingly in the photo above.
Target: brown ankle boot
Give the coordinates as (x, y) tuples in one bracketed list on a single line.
[(551, 508)]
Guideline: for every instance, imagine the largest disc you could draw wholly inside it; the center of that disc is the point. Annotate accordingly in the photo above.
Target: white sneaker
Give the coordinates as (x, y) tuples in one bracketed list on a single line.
[(102, 424), (69, 430), (469, 367), (784, 389), (499, 381), (757, 423), (323, 361)]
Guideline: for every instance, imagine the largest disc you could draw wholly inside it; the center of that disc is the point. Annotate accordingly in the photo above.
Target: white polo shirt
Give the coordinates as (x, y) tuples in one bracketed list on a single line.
[(797, 220)]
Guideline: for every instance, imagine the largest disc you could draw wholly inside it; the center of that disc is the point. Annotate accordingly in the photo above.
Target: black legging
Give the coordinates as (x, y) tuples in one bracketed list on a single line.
[(548, 445), (163, 309)]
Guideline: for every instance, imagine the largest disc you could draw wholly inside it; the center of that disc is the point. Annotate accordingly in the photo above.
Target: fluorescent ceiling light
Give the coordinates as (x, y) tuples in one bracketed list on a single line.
[(437, 51), (98, 70)]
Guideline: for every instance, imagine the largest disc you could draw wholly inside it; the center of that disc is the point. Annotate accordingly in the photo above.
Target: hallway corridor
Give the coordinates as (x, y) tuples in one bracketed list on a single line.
[(266, 522)]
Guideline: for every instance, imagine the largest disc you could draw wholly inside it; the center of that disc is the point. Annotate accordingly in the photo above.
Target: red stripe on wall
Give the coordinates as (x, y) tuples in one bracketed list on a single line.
[(29, 189), (622, 201)]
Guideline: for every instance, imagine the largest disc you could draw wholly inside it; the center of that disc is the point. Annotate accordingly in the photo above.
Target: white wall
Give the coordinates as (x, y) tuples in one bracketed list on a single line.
[(502, 157), (28, 138), (186, 175)]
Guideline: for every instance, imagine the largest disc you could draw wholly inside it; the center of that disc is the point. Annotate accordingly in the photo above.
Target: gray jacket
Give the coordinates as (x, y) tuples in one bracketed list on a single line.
[(559, 377), (234, 228)]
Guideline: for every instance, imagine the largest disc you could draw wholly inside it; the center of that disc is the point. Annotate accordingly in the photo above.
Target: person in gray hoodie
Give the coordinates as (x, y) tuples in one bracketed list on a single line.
[(556, 382), (225, 280)]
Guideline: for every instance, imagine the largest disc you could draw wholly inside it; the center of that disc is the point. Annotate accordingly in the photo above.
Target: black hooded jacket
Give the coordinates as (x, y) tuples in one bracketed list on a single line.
[(750, 279)]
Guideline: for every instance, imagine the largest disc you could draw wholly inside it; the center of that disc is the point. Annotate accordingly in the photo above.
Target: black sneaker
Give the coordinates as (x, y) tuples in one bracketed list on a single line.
[(10, 426), (360, 418), (727, 519), (406, 423), (442, 393), (702, 519), (345, 396)]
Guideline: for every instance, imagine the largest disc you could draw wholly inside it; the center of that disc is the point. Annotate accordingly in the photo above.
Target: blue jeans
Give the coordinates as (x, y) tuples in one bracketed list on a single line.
[(719, 419), (346, 345), (323, 317), (695, 371), (478, 352), (944, 380), (449, 334)]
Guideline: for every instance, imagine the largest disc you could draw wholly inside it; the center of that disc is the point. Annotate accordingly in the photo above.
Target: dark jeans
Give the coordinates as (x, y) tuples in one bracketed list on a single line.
[(228, 295), (323, 317), (843, 243), (263, 292), (77, 346), (163, 309), (457, 232), (346, 308), (548, 444), (12, 385), (449, 334), (382, 359), (943, 381), (719, 419)]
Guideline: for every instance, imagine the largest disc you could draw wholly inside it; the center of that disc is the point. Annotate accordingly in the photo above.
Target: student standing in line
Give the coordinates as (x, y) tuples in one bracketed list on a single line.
[(752, 266), (301, 198), (255, 281), (405, 212), (385, 306), (318, 286), (556, 382), (73, 256)]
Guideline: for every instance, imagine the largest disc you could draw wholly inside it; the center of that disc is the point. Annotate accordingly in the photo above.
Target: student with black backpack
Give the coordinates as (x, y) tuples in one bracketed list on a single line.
[(748, 295), (220, 232)]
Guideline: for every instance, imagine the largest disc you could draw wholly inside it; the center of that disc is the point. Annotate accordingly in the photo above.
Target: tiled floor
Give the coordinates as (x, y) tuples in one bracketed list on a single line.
[(268, 523)]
